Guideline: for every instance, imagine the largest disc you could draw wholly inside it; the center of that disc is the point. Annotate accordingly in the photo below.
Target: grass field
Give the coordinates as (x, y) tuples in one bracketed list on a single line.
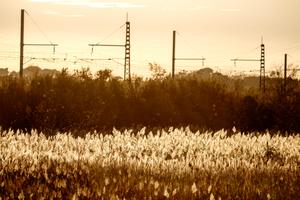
[(174, 164)]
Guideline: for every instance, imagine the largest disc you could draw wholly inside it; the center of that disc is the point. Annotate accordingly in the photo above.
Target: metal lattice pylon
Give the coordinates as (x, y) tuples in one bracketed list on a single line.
[(262, 68), (127, 53), (262, 61)]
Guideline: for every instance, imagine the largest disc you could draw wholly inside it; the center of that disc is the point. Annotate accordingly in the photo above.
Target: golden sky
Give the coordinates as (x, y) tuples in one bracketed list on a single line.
[(218, 30)]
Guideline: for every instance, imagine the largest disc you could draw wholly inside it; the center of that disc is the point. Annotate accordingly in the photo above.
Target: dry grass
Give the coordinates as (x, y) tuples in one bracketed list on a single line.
[(176, 164)]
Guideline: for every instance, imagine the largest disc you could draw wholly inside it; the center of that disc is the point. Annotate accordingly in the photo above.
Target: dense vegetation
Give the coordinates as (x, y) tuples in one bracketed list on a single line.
[(208, 101), (174, 164)]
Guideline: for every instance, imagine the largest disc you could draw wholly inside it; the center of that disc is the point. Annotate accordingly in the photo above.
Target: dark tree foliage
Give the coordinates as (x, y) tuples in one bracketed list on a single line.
[(80, 102)]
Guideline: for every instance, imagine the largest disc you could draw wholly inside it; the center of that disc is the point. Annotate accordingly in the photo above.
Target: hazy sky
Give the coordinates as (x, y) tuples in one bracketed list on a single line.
[(218, 30)]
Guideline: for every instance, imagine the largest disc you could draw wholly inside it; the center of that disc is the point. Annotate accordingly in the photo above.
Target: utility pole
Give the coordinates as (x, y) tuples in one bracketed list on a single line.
[(22, 44), (174, 57), (285, 70), (173, 54)]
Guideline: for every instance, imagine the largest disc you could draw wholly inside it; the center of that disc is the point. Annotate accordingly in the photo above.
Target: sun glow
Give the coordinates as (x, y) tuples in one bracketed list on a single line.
[(92, 4)]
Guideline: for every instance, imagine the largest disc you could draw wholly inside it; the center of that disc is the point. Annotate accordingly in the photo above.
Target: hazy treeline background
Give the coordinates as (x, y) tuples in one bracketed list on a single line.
[(202, 100)]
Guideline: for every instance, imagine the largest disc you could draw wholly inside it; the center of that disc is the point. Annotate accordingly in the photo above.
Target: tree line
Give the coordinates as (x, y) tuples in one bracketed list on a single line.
[(207, 101)]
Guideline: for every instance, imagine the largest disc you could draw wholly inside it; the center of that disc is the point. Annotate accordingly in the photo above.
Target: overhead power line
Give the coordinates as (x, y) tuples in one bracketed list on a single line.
[(39, 27), (262, 65), (126, 46), (111, 34), (174, 58), (22, 43)]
